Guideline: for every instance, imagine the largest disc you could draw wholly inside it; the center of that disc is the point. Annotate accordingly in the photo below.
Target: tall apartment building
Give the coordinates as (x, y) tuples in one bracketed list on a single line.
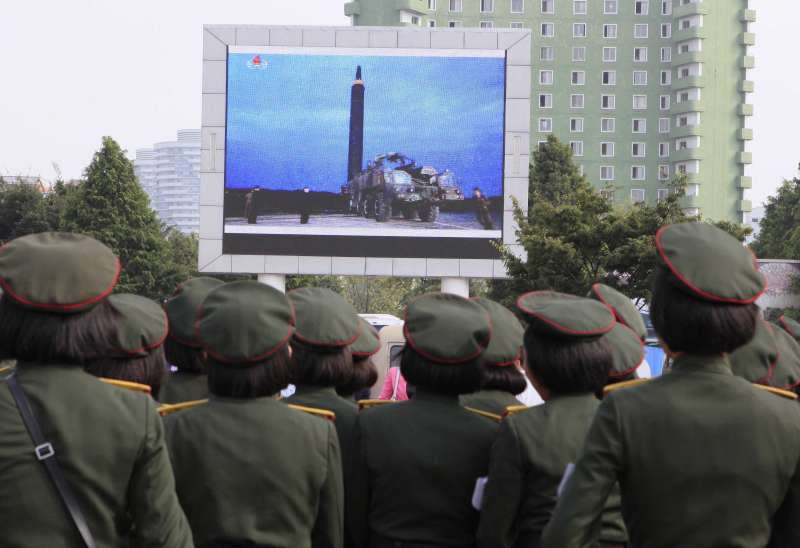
[(641, 89), (170, 174)]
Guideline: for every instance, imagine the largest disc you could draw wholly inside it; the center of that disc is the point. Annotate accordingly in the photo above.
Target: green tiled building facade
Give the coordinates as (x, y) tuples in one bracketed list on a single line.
[(641, 89)]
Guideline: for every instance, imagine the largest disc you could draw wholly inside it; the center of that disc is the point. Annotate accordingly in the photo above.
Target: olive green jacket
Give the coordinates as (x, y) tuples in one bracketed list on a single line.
[(109, 442), (181, 387), (529, 457), (254, 472), (346, 413), (491, 401), (703, 459), (420, 461)]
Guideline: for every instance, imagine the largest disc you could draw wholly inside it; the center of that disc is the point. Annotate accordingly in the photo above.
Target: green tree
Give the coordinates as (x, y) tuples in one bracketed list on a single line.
[(23, 210), (779, 234)]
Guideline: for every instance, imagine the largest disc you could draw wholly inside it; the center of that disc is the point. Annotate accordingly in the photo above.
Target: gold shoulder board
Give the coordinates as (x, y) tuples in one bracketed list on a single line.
[(491, 416), (778, 391), (366, 404), (127, 385), (514, 409), (624, 384), (5, 369), (324, 413), (170, 408)]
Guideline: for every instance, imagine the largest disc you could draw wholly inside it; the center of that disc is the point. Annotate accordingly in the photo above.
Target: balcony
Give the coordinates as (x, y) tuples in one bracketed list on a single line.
[(748, 62), (745, 182), (744, 158), (700, 8), (689, 82), (745, 206), (748, 16), (686, 131), (745, 134), (747, 86), (681, 35), (690, 202), (748, 39), (745, 110), (685, 58), (686, 154), (419, 6), (352, 8), (687, 106)]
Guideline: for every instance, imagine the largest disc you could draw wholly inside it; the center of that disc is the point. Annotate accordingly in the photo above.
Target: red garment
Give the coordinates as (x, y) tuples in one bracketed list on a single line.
[(388, 386)]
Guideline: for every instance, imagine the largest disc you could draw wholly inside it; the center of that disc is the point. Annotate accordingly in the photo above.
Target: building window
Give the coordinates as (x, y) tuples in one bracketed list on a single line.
[(576, 125), (608, 102), (415, 20), (576, 147), (548, 6), (546, 77), (456, 5), (579, 7), (545, 100), (610, 30), (432, 5), (666, 77), (545, 125), (576, 100), (609, 78), (663, 172), (637, 173), (578, 77), (546, 53), (606, 173), (608, 125), (639, 77), (641, 7), (663, 102), (455, 24), (517, 25), (607, 194), (666, 30), (579, 54), (683, 96), (662, 194), (663, 125), (663, 150), (640, 55), (639, 102), (548, 30), (487, 6), (640, 30), (693, 190), (610, 7), (487, 24), (517, 6), (666, 55), (639, 125), (609, 55), (638, 150), (637, 194), (666, 7), (607, 150), (432, 24), (579, 30)]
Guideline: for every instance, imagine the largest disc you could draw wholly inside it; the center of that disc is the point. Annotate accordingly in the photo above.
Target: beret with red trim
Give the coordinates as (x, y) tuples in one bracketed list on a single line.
[(709, 263), (182, 308), (507, 335), (627, 351), (324, 318), (243, 322), (792, 327), (756, 360), (567, 316), (447, 329), (367, 344), (58, 272), (624, 310), (786, 374), (142, 325)]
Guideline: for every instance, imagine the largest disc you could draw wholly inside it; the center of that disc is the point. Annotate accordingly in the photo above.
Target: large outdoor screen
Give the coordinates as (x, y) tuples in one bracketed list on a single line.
[(393, 153)]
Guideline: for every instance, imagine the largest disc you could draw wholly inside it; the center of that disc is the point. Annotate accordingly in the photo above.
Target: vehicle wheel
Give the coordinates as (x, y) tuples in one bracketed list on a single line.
[(369, 208), (429, 213), (383, 209), (409, 213)]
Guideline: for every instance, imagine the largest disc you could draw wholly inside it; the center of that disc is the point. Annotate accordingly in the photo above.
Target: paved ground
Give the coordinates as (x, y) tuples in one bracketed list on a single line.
[(446, 220)]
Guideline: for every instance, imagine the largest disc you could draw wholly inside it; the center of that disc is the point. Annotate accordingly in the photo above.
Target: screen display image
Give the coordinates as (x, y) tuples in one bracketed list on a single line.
[(355, 153)]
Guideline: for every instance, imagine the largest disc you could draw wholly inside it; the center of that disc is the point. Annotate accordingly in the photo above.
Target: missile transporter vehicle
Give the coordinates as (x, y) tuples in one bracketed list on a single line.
[(391, 186)]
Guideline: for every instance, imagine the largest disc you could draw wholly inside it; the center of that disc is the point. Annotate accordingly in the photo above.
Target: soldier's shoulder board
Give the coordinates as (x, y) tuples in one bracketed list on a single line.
[(512, 410), (367, 404), (491, 416), (324, 413), (127, 385), (777, 391), (170, 408), (625, 384)]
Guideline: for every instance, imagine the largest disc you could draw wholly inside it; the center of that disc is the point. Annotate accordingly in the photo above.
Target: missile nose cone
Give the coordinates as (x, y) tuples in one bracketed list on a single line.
[(358, 73)]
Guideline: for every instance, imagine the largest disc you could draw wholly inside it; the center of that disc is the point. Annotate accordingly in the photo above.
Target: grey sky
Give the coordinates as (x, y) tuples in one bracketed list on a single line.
[(75, 70)]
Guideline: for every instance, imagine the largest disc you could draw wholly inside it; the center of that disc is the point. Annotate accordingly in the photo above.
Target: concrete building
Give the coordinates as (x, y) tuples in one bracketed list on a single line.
[(641, 89), (170, 174), (753, 220)]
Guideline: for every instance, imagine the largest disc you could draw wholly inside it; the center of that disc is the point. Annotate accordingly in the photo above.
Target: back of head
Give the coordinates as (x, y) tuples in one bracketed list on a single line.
[(365, 374), (182, 347), (624, 310), (504, 353)]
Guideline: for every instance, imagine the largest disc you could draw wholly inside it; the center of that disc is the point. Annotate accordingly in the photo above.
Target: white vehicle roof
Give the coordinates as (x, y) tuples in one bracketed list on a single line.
[(382, 319)]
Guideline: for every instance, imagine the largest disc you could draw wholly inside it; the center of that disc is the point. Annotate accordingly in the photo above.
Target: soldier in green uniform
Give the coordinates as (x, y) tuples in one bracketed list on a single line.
[(771, 358), (365, 374), (250, 470), (189, 381), (107, 443), (568, 356), (703, 457), (501, 378), (138, 355), (792, 327), (325, 327), (423, 457)]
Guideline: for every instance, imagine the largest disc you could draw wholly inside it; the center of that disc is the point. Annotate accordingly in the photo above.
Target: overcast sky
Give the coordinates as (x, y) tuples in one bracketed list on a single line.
[(72, 71)]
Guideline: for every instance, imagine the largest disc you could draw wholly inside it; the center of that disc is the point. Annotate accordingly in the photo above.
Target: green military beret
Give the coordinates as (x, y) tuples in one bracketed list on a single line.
[(447, 329), (624, 310), (367, 344), (58, 272), (756, 360), (324, 318), (244, 322), (792, 327), (786, 373), (709, 263), (627, 351), (505, 347), (182, 308), (567, 316), (142, 325)]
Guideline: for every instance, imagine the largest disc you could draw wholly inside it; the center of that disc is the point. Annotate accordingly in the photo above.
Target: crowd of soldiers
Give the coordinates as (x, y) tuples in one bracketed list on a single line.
[(102, 445)]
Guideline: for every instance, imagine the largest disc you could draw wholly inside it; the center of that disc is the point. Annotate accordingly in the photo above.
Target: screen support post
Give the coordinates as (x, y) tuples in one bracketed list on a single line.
[(278, 281), (457, 286)]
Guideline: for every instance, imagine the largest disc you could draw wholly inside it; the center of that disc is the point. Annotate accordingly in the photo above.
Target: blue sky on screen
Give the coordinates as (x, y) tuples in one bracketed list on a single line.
[(288, 123)]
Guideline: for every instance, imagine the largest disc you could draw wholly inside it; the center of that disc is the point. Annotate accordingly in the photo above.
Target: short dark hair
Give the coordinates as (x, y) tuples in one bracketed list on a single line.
[(696, 326), (149, 370), (507, 379), (445, 379), (365, 375), (257, 380), (568, 366), (72, 339), (321, 365), (185, 358)]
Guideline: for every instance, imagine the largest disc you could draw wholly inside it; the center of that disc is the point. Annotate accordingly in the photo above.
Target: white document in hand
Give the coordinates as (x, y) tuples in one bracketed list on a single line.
[(477, 494), (565, 478)]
